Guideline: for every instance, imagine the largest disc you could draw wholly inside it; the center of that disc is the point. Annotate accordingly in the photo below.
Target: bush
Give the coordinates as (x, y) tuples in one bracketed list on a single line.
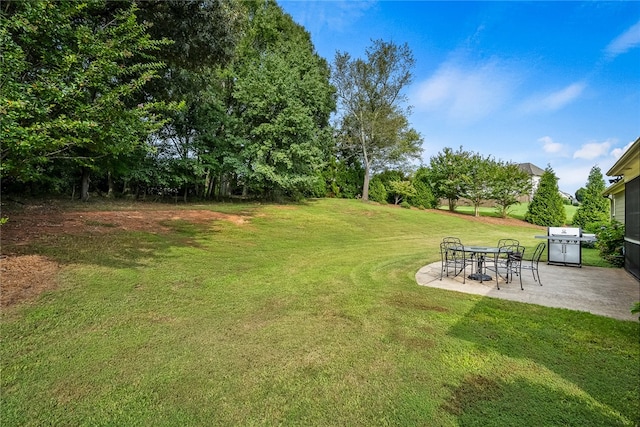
[(610, 243), (405, 205), (377, 191)]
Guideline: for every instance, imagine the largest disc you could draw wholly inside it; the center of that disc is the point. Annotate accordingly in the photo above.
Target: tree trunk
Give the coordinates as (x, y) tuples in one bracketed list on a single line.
[(84, 194), (110, 183), (365, 186)]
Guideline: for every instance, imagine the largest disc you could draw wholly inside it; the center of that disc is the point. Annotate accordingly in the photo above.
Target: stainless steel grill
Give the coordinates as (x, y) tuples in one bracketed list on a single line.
[(564, 246)]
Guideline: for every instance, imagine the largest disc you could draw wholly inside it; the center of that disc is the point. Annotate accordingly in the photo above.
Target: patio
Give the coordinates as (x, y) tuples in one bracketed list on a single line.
[(603, 291)]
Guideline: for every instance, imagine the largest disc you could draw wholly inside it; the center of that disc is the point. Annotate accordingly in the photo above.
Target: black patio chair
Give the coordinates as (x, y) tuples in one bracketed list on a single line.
[(514, 257), (500, 260), (507, 242), (532, 264), (454, 240), (452, 257)]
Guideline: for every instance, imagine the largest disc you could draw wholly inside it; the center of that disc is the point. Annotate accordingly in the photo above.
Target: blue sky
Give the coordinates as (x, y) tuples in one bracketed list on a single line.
[(550, 83)]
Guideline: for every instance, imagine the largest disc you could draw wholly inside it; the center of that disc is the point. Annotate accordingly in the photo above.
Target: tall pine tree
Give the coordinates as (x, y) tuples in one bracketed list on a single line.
[(595, 208), (547, 208)]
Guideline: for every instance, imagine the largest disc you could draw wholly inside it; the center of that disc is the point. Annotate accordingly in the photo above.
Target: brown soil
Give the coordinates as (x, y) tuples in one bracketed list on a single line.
[(23, 277)]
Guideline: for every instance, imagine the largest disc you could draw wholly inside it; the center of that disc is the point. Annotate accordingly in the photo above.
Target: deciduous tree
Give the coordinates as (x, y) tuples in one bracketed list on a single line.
[(508, 183), (69, 85), (373, 117), (449, 174)]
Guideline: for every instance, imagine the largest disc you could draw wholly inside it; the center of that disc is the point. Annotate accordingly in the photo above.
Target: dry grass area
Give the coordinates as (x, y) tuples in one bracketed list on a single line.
[(23, 277)]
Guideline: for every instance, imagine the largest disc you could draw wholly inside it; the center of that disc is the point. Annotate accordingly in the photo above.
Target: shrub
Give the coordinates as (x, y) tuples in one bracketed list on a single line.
[(377, 191), (610, 243)]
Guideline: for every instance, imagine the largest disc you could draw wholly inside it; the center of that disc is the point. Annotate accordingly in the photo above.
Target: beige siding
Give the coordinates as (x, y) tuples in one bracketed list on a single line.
[(617, 208)]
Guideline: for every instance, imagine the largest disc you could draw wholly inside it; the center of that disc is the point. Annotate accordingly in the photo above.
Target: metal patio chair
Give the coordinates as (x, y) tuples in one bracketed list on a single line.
[(532, 264), (452, 257), (514, 256)]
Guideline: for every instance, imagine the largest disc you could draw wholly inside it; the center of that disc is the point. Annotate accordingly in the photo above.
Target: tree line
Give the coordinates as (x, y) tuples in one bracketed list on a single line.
[(211, 99)]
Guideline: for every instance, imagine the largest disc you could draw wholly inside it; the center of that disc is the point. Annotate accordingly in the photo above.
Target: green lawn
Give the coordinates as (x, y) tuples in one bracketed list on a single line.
[(304, 315), (516, 211)]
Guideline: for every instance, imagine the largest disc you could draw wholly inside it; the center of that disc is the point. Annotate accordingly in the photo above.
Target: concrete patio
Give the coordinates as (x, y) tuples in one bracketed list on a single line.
[(603, 291)]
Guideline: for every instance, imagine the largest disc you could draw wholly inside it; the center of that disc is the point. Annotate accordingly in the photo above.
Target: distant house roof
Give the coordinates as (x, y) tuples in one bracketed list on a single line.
[(531, 169)]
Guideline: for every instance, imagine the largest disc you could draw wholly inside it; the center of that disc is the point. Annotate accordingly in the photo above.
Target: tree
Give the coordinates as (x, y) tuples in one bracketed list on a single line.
[(580, 194), (371, 106), (449, 175), (424, 195), (401, 190), (70, 81), (196, 142), (546, 207), (508, 183), (283, 100), (594, 209), (478, 180)]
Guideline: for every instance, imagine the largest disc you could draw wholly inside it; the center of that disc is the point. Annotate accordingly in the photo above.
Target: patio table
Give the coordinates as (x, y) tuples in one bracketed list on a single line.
[(480, 253)]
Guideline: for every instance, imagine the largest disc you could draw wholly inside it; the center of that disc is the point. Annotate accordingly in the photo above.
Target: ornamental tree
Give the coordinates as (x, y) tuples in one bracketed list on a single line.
[(509, 182)]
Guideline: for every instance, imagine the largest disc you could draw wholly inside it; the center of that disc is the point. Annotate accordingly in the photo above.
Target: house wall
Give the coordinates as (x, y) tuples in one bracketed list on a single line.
[(617, 207), (632, 227)]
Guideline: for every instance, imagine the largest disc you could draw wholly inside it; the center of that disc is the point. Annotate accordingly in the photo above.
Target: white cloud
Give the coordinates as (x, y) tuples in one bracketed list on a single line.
[(592, 150), (618, 152), (462, 93), (624, 42), (572, 176), (555, 100), (549, 146)]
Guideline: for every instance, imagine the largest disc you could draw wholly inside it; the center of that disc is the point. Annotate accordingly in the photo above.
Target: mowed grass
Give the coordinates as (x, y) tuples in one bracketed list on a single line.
[(516, 211), (304, 315)]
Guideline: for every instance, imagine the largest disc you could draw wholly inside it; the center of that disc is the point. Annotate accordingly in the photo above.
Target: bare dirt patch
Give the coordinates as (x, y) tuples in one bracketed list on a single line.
[(23, 277)]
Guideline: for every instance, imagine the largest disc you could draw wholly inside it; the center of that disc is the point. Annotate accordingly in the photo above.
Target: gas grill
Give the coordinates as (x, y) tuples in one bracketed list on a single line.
[(564, 246)]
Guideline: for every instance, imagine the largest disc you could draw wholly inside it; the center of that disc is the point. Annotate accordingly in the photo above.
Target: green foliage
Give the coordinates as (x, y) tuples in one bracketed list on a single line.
[(448, 175), (401, 191), (343, 177), (374, 119), (580, 194), (75, 103), (424, 196), (283, 88), (610, 242), (478, 179), (508, 182), (594, 209), (635, 308), (546, 207), (377, 190)]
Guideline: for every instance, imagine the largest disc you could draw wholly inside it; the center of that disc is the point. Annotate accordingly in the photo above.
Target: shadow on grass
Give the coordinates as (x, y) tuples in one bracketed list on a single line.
[(481, 401), (116, 249), (596, 354)]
